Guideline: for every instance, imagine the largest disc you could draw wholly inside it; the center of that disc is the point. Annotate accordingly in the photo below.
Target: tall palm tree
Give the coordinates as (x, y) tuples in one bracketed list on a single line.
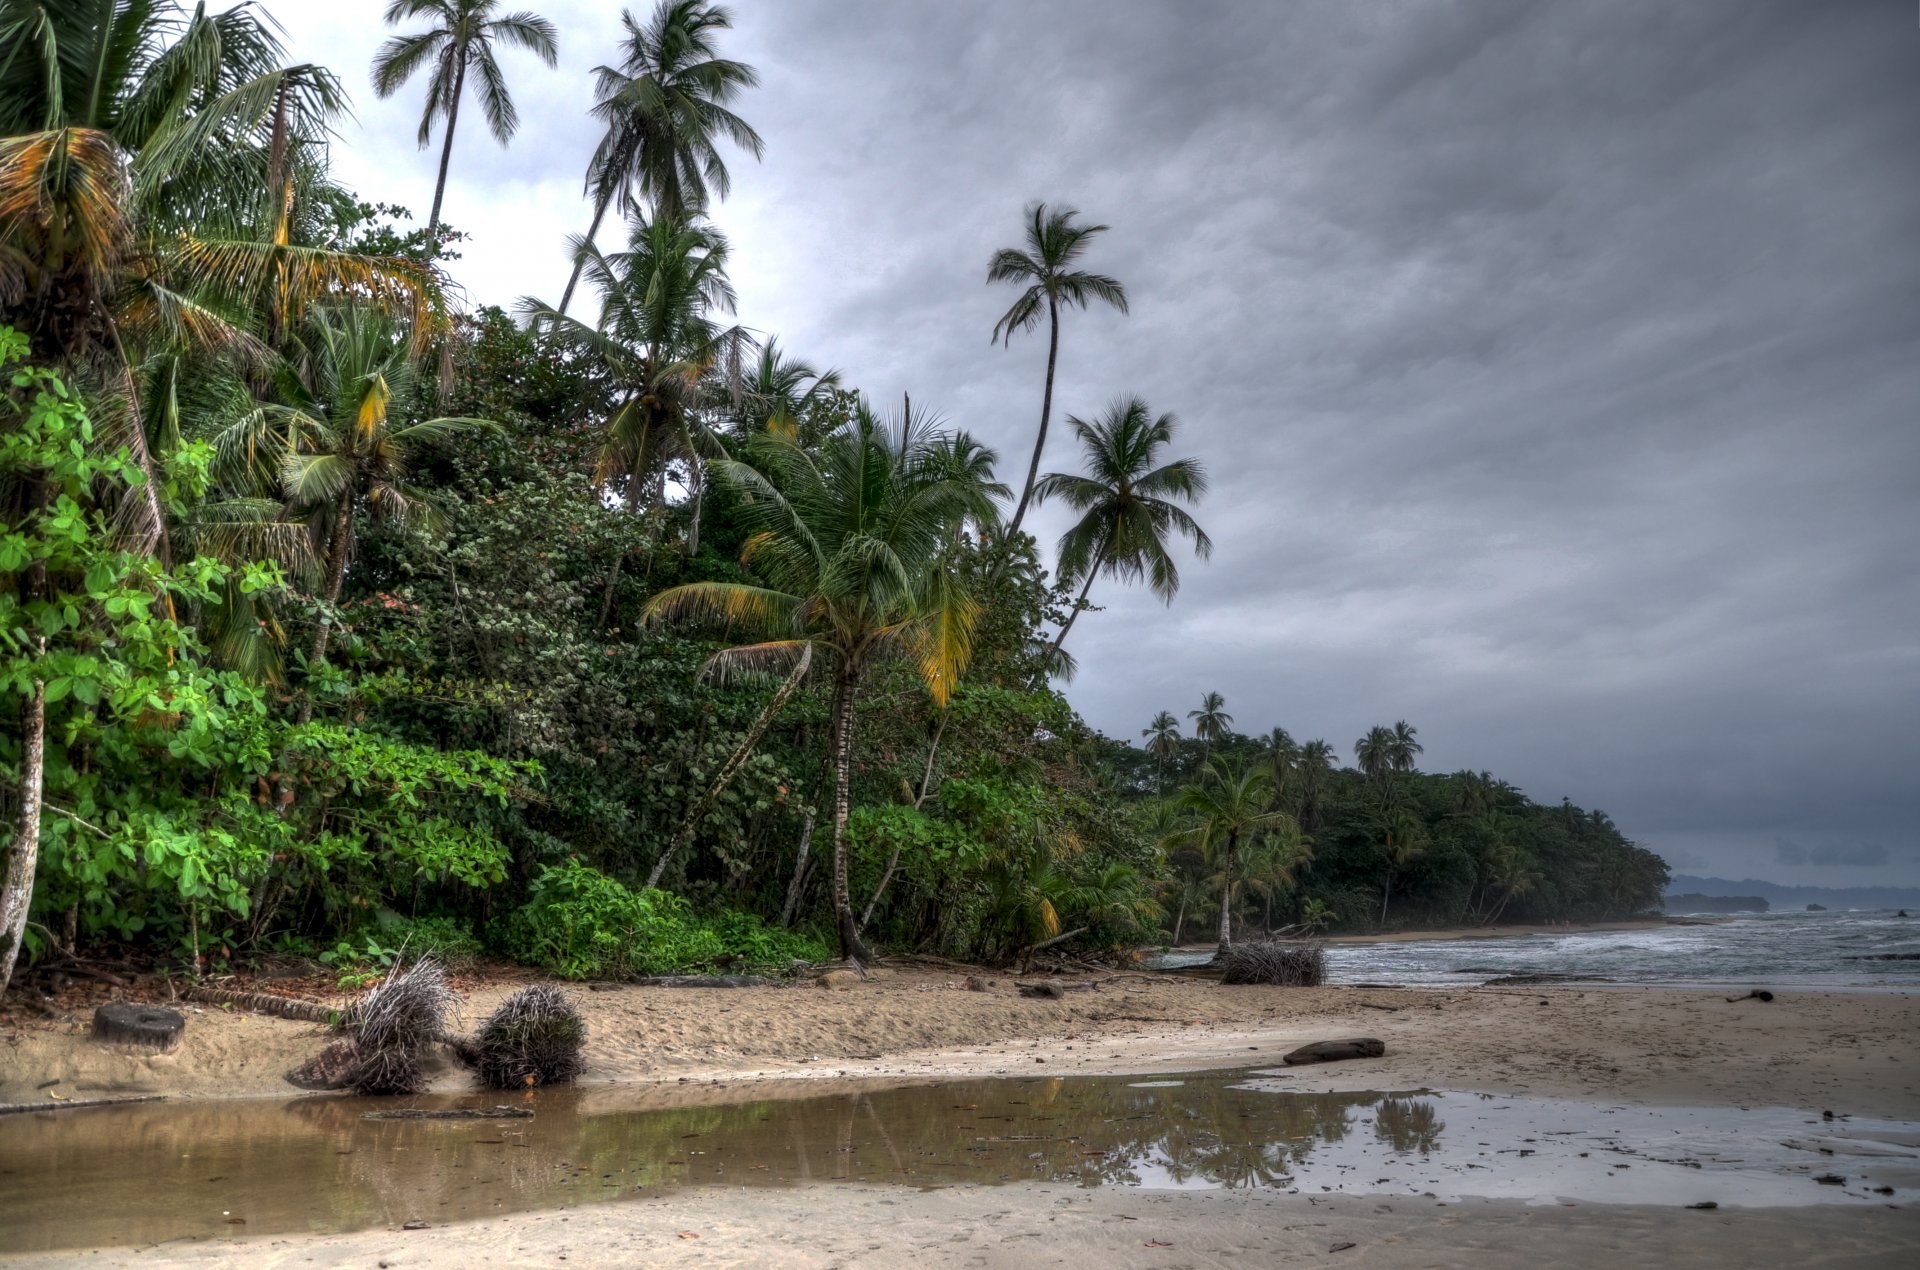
[(1374, 752), (1163, 739), (460, 40), (1128, 503), (848, 542), (666, 107), (1403, 840), (1211, 722), (1230, 805), (338, 451), (1274, 862), (1044, 270), (1405, 749)]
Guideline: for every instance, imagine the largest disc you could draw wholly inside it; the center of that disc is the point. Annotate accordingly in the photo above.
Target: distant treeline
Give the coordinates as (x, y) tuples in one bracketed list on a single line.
[(1715, 904)]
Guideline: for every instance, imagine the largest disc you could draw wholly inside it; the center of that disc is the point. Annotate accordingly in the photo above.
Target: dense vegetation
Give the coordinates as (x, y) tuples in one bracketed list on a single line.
[(335, 619)]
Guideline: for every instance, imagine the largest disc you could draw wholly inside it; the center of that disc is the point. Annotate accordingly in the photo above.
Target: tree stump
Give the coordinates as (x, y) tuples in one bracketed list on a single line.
[(147, 1027)]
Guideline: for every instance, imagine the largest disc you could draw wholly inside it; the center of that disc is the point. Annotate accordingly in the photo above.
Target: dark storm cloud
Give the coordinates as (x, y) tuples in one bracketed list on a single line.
[(1555, 364)]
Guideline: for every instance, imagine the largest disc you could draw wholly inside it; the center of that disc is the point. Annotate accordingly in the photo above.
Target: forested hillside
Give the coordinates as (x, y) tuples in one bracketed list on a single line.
[(602, 633)]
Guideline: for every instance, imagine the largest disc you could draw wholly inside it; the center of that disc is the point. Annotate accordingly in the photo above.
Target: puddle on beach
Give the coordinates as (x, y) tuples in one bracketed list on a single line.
[(147, 1174)]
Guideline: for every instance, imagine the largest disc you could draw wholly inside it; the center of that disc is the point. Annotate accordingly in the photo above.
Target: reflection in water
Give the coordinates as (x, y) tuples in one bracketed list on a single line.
[(1408, 1124), (145, 1174)]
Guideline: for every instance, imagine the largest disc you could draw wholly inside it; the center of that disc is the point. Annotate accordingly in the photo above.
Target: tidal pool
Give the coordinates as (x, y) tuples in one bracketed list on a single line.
[(147, 1174)]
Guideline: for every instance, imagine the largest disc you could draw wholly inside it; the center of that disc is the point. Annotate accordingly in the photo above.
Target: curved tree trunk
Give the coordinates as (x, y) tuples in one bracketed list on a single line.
[(1079, 605), (792, 906), (1046, 410), (23, 860), (1179, 919), (844, 685), (446, 153), (920, 800), (1386, 891), (731, 768), (599, 211)]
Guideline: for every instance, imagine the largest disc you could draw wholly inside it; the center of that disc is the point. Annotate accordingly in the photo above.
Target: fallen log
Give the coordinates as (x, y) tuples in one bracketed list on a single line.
[(296, 1008), (1333, 1051)]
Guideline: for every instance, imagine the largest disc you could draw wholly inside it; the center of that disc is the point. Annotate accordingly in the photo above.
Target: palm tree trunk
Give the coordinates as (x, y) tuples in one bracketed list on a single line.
[(844, 686), (1179, 919), (336, 580), (1226, 895), (446, 152), (1079, 605), (1046, 410), (1386, 891), (697, 477), (566, 297), (731, 768), (23, 860)]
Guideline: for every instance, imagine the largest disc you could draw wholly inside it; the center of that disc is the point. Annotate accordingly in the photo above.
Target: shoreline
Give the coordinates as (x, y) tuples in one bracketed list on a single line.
[(1448, 934)]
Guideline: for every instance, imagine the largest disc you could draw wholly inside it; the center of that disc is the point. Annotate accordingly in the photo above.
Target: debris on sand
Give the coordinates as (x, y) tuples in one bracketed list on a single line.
[(1272, 962)]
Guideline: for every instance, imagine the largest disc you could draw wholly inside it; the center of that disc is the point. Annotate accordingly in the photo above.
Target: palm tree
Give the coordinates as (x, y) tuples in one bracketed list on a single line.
[(666, 108), (1230, 805), (1374, 753), (1404, 748), (848, 541), (1128, 504), (779, 392), (1044, 271), (338, 451), (1316, 764), (1283, 756), (1402, 841), (144, 200), (656, 339), (1163, 739), (1274, 862), (462, 39), (1211, 722)]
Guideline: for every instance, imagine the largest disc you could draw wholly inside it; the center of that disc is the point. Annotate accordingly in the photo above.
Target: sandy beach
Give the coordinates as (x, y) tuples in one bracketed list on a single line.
[(1851, 1053)]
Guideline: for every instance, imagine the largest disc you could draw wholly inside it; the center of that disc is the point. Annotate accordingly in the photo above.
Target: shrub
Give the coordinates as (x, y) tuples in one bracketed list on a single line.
[(582, 924), (1271, 962)]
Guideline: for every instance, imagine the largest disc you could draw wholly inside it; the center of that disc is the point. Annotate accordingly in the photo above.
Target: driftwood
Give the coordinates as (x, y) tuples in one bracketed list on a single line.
[(1273, 963), (22, 1108), (452, 1113), (1758, 994), (295, 1008), (1332, 1051)]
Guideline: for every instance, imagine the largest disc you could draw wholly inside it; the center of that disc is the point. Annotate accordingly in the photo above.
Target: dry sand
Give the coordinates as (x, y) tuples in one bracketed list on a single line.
[(1852, 1053)]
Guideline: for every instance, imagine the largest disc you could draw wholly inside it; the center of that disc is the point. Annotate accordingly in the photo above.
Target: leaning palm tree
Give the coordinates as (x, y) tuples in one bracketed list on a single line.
[(337, 451), (1163, 739), (666, 108), (1211, 722), (1129, 504), (848, 542), (1230, 805), (1044, 272), (461, 38)]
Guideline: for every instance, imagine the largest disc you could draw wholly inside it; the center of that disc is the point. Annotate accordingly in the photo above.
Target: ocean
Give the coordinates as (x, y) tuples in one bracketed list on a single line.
[(1842, 949)]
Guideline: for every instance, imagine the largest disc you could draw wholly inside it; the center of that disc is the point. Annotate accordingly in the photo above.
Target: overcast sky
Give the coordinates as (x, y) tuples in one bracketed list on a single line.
[(1557, 365)]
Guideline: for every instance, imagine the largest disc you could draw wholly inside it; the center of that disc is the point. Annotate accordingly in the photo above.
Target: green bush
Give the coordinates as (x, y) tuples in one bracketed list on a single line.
[(582, 924)]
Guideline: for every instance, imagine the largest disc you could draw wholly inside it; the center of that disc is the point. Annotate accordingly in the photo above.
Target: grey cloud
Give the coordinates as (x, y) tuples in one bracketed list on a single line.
[(1851, 855)]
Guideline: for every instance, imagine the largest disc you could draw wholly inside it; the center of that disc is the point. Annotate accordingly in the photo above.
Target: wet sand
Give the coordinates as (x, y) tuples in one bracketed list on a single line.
[(1017, 1227)]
